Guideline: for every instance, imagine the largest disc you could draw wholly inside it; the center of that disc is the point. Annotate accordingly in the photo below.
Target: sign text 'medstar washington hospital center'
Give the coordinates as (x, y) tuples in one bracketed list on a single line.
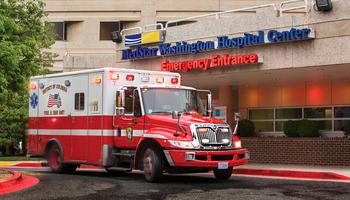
[(221, 42)]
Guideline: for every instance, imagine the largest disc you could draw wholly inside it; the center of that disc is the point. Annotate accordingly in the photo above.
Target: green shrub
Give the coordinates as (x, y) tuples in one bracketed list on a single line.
[(347, 128), (306, 128), (290, 128), (246, 128), (301, 128)]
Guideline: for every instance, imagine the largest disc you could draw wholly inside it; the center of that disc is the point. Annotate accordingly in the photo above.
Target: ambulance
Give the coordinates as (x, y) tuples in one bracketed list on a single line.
[(125, 119)]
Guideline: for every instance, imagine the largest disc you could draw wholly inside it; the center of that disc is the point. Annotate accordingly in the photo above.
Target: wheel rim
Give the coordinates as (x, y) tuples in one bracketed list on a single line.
[(55, 158), (147, 165)]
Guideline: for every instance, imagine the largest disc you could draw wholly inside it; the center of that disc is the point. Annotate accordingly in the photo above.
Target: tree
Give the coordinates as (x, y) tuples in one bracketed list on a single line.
[(24, 36)]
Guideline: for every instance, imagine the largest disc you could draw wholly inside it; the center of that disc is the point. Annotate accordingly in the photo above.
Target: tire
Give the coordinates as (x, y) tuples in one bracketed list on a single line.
[(223, 174), (152, 165), (55, 160)]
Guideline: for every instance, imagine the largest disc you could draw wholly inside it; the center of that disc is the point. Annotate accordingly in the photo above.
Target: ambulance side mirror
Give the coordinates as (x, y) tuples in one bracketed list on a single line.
[(237, 116), (209, 106), (209, 101), (120, 103)]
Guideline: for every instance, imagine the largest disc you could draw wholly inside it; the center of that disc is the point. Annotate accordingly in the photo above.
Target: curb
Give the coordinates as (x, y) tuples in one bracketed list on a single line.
[(258, 172), (296, 174), (15, 177), (16, 182)]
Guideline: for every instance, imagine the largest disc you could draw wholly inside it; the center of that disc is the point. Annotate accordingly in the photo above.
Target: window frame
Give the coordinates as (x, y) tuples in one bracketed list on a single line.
[(64, 30), (137, 89), (99, 34), (339, 118), (79, 101), (332, 118)]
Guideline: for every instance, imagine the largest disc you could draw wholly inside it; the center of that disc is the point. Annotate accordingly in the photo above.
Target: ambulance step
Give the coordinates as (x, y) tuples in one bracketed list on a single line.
[(123, 169), (130, 155)]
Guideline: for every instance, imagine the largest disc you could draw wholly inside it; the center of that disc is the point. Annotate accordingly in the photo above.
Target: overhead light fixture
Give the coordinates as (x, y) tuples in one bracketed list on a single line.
[(324, 5)]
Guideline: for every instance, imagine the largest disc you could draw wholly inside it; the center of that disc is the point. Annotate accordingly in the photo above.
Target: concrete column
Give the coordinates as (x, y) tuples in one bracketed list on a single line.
[(226, 99), (148, 12)]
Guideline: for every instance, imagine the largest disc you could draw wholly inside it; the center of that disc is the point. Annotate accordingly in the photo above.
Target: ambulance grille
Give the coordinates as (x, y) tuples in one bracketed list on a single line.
[(215, 137)]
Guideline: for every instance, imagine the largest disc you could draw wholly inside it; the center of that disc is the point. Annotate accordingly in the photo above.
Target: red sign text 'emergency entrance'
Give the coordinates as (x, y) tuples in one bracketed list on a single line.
[(214, 61)]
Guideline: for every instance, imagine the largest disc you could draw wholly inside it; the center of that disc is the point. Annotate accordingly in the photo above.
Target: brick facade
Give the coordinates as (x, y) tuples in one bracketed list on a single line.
[(305, 151)]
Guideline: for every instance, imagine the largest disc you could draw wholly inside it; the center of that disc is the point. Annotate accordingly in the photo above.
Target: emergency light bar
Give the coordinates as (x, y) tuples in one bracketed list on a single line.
[(160, 79), (130, 77), (114, 76)]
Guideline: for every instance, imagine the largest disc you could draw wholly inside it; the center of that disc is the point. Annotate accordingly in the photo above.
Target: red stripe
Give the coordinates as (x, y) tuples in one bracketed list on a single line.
[(74, 122)]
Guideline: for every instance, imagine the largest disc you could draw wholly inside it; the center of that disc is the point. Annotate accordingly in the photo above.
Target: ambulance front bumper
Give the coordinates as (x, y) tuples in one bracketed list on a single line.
[(205, 158)]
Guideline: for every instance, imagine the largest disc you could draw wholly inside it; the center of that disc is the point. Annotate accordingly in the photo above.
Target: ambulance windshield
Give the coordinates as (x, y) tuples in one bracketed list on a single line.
[(166, 100)]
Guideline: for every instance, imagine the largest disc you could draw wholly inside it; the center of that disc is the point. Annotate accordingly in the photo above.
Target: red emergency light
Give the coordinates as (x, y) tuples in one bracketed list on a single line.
[(130, 77), (174, 80)]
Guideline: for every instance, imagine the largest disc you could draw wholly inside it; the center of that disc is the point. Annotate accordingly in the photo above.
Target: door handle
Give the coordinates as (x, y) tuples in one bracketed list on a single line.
[(126, 119), (119, 131), (134, 120)]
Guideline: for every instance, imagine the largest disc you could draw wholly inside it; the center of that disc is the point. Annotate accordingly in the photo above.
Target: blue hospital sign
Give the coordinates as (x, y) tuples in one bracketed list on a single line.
[(221, 42)]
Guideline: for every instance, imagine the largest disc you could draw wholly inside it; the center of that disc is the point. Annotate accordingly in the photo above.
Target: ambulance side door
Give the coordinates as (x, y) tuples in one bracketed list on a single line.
[(132, 122), (95, 119), (79, 118)]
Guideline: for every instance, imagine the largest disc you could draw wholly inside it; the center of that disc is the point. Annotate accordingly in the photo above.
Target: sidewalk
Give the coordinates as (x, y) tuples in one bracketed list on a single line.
[(339, 170), (304, 172)]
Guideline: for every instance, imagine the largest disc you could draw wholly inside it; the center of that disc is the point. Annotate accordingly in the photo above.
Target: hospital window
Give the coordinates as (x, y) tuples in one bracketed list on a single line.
[(263, 119), (322, 116), (60, 30), (79, 101), (285, 114), (106, 28), (326, 118), (341, 117)]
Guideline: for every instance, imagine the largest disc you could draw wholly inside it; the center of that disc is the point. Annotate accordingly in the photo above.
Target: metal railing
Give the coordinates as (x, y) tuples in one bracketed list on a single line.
[(288, 2), (153, 25), (217, 14), (129, 29), (281, 10)]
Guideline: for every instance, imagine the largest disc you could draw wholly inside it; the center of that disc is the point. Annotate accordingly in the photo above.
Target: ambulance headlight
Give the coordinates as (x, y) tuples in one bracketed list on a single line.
[(205, 141), (237, 144), (225, 130), (225, 141), (181, 144)]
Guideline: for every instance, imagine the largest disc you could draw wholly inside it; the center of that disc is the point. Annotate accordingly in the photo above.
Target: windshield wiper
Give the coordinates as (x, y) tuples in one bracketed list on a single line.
[(161, 112)]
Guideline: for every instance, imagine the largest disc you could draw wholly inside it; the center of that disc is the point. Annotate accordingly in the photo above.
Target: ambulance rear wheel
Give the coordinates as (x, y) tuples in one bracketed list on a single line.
[(223, 174), (55, 160), (152, 165)]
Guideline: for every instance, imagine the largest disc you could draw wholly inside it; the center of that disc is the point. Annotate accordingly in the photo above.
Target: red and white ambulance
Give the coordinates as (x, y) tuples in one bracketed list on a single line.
[(128, 119)]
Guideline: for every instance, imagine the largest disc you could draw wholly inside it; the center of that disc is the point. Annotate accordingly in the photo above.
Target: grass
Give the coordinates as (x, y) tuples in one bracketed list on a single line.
[(19, 158)]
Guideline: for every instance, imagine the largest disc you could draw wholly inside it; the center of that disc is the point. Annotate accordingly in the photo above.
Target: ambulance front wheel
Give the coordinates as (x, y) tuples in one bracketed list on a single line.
[(55, 160), (152, 165), (223, 174)]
